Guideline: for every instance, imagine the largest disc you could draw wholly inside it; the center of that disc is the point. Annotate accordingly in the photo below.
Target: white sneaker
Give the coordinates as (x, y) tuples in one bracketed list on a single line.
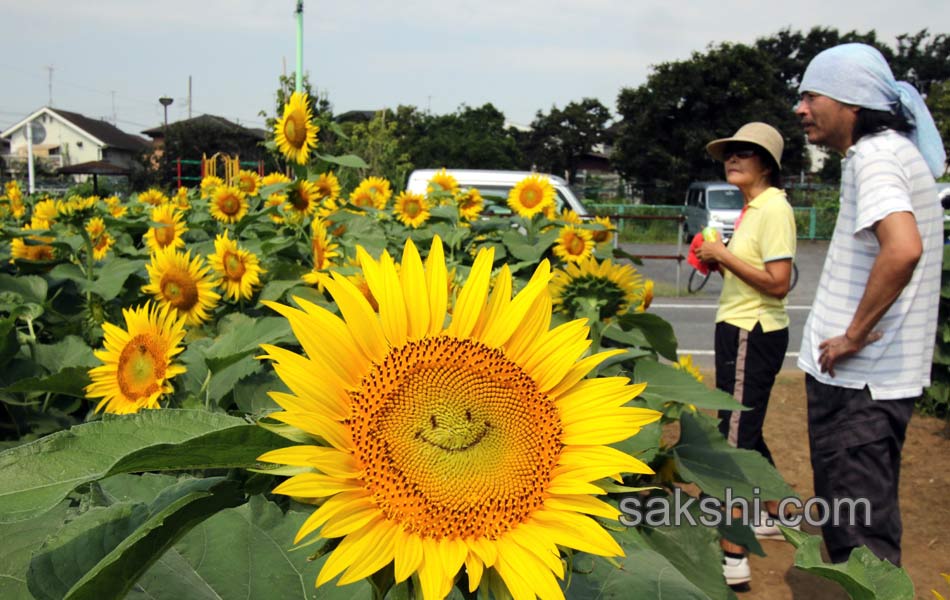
[(767, 529), (736, 570)]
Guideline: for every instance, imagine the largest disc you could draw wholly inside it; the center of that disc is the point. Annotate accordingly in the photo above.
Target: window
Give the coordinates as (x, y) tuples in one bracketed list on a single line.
[(79, 144), (726, 199)]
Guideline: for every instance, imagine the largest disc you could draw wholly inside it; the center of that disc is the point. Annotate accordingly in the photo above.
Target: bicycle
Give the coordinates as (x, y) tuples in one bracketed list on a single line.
[(697, 280)]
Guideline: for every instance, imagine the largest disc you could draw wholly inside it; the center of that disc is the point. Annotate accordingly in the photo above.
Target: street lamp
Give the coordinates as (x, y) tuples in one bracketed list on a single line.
[(165, 102)]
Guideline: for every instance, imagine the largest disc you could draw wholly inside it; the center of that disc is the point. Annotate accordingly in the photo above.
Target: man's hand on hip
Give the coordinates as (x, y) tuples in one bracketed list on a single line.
[(840, 347)]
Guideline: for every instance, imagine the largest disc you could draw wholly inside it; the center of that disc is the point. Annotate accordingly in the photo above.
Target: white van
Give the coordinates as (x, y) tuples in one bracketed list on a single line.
[(713, 203), (495, 185)]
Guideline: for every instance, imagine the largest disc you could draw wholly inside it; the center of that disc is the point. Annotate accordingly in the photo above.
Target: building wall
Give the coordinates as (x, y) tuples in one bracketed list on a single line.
[(61, 138)]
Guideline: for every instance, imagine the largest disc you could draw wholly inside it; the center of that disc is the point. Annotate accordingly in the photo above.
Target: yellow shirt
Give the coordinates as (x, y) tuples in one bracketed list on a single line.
[(766, 233)]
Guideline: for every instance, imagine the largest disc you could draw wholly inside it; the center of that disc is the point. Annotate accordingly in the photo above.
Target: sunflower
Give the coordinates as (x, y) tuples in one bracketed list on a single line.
[(602, 236), (272, 178), (182, 282), (153, 197), (611, 287), (570, 217), (327, 187), (295, 133), (76, 205), (412, 209), (248, 182), (240, 269), (647, 296), (685, 363), (180, 200), (443, 181), (137, 360), (476, 444), (229, 204), (302, 199), (167, 230), (531, 196), (101, 240), (209, 184), (45, 211), (470, 204), (38, 248), (324, 251), (17, 208), (372, 191), (115, 207), (573, 244)]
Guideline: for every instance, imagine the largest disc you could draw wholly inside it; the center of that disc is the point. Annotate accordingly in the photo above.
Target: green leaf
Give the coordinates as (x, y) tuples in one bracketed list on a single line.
[(274, 290), (658, 332), (9, 343), (668, 384), (695, 552), (864, 576), (645, 444), (19, 541), (112, 277), (705, 458), (642, 573), (244, 336), (347, 160), (71, 351), (30, 288), (243, 552), (34, 477), (103, 551), (70, 381), (251, 396), (68, 271), (226, 379)]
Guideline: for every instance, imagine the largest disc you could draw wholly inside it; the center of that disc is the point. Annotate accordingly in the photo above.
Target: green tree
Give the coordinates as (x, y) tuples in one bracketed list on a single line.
[(668, 121), (377, 143), (470, 138), (558, 140)]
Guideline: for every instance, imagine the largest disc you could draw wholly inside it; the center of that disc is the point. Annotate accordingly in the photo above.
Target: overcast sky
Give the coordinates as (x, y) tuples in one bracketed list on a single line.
[(115, 58)]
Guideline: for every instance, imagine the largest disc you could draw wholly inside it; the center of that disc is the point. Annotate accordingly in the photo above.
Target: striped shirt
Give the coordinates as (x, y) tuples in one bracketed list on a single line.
[(881, 174)]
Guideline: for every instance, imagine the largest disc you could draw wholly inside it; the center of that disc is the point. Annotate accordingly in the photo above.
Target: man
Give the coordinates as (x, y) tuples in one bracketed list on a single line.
[(868, 342)]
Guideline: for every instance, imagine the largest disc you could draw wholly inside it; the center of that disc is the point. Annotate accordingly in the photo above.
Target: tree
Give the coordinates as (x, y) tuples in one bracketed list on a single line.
[(377, 143), (470, 138), (668, 121), (922, 60), (559, 140), (939, 103)]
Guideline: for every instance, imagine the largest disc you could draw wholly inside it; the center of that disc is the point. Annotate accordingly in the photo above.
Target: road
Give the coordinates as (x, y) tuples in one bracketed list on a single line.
[(693, 315)]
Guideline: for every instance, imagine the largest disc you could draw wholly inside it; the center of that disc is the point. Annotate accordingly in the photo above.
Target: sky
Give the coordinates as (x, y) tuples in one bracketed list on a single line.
[(113, 59)]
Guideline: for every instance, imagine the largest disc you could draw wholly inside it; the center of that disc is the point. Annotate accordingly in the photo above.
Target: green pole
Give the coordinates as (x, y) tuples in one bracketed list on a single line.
[(298, 86)]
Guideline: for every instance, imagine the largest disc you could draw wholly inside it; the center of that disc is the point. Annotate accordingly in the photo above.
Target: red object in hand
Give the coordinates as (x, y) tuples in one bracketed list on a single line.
[(691, 258)]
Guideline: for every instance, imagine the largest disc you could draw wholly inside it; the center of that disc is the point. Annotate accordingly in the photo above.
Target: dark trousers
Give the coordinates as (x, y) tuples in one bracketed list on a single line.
[(856, 446), (746, 365)]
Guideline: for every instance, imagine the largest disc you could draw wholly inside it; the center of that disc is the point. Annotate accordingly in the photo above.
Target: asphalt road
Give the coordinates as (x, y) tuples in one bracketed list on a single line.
[(693, 315)]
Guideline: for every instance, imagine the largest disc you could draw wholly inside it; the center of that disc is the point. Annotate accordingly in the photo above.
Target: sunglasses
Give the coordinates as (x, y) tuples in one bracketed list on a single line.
[(744, 154)]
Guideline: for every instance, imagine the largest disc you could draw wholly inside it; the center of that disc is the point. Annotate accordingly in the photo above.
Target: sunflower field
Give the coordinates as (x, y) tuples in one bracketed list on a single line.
[(271, 387)]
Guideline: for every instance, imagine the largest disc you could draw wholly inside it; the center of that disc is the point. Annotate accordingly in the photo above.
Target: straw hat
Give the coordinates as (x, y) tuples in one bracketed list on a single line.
[(765, 136)]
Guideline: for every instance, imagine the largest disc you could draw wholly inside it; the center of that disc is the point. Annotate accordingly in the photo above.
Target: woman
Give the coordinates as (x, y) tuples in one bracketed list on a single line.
[(752, 324)]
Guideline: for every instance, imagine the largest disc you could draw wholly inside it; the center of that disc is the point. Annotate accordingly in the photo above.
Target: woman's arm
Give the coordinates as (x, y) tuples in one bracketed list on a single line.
[(773, 281)]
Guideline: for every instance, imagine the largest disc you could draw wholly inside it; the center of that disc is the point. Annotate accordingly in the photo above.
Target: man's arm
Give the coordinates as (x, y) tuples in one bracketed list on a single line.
[(901, 248)]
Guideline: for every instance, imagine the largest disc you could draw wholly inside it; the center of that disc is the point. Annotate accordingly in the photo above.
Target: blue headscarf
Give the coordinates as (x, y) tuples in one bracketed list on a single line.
[(857, 74)]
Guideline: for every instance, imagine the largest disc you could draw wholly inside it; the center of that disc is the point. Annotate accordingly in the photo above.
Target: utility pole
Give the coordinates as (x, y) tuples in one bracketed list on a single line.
[(50, 69), (298, 84)]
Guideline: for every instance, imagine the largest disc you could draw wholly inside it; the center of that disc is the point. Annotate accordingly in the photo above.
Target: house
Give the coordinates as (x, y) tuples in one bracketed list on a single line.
[(62, 138)]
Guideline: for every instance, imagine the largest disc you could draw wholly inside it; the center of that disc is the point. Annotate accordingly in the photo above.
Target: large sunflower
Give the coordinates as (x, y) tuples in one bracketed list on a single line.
[(295, 133), (228, 204), (167, 230), (612, 287), (477, 444), (182, 282), (138, 360), (532, 195), (240, 269), (412, 209), (574, 244)]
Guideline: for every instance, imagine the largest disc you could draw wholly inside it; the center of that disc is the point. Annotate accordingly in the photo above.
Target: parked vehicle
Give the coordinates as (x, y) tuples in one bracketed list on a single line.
[(495, 185), (713, 203)]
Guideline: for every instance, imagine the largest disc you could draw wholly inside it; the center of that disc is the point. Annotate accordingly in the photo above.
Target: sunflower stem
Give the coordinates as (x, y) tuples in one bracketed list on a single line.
[(90, 263)]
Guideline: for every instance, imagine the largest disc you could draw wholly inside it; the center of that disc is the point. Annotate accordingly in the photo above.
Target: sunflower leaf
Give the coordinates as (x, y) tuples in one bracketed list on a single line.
[(110, 281), (705, 458), (70, 381), (658, 332), (864, 576), (34, 477), (28, 288), (20, 540), (666, 384), (103, 551), (214, 561), (347, 160)]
